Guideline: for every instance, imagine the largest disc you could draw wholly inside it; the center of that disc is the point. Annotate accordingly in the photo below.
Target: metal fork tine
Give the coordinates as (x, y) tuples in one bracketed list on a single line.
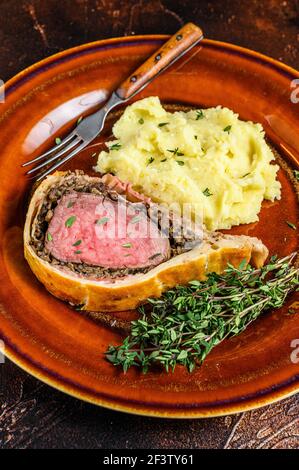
[(53, 149), (57, 155), (61, 162)]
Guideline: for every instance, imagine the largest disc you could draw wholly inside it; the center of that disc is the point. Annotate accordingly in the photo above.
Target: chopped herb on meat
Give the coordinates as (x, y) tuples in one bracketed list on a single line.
[(69, 222)]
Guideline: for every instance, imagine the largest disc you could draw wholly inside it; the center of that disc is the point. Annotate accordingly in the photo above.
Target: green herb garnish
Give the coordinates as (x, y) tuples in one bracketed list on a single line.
[(149, 161), (207, 192), (102, 221), (227, 129), (195, 137), (162, 124), (77, 243), (179, 162), (141, 121), (49, 237), (70, 204), (187, 322), (296, 174), (164, 160), (115, 147), (58, 140), (77, 252), (127, 245), (176, 152), (69, 222), (199, 114), (290, 224), (79, 120)]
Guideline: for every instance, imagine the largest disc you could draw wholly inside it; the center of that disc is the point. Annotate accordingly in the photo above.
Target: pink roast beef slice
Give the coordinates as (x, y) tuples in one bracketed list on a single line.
[(95, 230)]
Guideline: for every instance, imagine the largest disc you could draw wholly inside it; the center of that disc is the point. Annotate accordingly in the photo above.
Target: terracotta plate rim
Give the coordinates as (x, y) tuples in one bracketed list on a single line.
[(121, 40), (245, 403)]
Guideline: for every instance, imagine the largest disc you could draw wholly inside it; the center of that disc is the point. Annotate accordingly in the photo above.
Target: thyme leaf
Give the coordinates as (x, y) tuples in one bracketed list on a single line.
[(115, 147), (207, 192), (176, 152), (199, 114), (69, 222), (149, 161), (290, 224)]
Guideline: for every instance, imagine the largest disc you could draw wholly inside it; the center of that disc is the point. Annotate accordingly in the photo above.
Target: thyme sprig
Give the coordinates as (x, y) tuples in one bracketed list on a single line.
[(187, 322)]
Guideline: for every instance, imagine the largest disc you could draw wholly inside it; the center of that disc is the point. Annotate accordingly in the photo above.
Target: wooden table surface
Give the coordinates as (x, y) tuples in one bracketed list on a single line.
[(33, 415)]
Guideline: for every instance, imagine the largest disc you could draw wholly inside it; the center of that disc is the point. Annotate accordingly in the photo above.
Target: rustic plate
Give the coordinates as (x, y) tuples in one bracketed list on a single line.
[(65, 348)]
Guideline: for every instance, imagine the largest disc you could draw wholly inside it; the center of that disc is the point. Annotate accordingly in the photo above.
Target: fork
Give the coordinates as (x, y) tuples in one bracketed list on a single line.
[(91, 126)]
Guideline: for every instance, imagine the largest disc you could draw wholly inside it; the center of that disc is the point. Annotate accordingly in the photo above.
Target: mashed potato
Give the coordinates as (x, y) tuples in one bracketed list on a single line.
[(207, 157)]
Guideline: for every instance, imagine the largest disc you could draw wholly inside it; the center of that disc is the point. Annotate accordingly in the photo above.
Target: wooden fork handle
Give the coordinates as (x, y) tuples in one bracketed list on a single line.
[(172, 50)]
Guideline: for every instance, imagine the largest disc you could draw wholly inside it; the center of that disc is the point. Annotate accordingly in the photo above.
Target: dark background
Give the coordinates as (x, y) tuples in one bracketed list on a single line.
[(32, 415)]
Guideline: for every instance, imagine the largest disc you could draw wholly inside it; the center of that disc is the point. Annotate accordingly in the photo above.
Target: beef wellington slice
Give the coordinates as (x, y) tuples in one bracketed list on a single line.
[(98, 244)]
